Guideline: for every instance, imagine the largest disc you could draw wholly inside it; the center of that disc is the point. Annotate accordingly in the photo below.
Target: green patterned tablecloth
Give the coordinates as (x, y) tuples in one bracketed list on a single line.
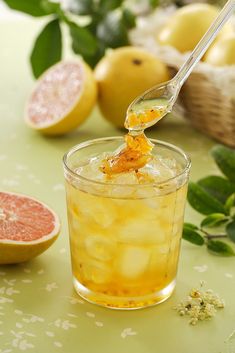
[(39, 310)]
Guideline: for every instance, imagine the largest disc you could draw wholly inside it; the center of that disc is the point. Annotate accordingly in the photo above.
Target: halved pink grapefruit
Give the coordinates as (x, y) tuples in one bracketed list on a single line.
[(27, 228), (62, 99)]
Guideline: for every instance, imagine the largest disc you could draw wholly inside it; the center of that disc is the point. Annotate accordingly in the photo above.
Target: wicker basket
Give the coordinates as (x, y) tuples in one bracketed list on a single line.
[(208, 109)]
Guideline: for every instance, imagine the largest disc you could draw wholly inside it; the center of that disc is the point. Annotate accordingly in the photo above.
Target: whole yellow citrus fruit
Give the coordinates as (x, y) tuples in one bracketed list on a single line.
[(122, 74), (62, 99), (186, 26), (222, 53)]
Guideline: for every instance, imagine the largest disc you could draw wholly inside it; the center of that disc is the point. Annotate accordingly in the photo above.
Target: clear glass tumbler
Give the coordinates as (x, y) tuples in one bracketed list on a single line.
[(124, 238)]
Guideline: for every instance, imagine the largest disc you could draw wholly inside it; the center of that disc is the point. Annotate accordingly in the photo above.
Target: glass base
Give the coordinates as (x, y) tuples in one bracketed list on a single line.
[(124, 303)]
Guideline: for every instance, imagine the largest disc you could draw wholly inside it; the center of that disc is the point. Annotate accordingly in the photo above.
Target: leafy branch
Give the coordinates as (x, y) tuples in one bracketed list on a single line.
[(94, 26), (214, 197)]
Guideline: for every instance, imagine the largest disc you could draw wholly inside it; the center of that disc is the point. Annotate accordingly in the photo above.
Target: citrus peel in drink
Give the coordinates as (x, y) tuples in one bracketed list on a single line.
[(27, 228), (131, 158)]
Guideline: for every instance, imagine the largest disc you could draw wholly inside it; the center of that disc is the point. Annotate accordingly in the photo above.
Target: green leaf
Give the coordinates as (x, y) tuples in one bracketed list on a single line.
[(83, 42), (31, 7), (220, 248), (112, 32), (213, 220), (202, 202), (190, 225), (128, 18), (153, 3), (230, 203), (106, 6), (192, 236), (230, 229), (218, 187), (225, 159), (80, 7), (50, 6), (47, 49)]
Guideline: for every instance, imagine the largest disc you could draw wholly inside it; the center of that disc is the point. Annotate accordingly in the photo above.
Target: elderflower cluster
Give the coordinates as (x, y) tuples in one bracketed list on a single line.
[(200, 305)]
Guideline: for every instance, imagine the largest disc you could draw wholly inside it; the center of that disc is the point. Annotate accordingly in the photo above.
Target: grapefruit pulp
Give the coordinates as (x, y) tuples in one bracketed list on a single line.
[(27, 228), (62, 99)]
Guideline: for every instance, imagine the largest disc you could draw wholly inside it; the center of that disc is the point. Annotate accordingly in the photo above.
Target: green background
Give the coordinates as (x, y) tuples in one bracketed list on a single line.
[(39, 310)]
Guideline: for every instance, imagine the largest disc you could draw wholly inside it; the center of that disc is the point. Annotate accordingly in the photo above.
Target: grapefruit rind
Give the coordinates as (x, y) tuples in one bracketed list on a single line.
[(13, 252), (77, 114)]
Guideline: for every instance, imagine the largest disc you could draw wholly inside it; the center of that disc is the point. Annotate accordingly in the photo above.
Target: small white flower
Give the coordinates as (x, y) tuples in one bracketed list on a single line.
[(26, 320), (24, 345), (228, 275), (35, 318), (31, 176), (30, 334), (4, 300), (89, 314), (21, 167), (72, 315), (58, 187), (202, 268), (9, 282), (10, 182), (3, 157), (27, 270), (128, 332), (99, 324), (51, 286), (26, 281), (50, 334), (64, 324), (10, 291), (58, 344), (75, 301)]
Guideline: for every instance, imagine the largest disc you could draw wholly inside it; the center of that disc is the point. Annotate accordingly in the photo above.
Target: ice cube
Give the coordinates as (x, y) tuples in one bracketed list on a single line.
[(99, 209), (132, 261), (146, 192), (142, 232), (74, 222), (125, 178), (153, 202), (95, 271), (99, 247), (159, 170)]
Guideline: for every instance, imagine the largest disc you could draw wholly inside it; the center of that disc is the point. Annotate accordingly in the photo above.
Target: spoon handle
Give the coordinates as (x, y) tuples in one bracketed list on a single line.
[(204, 43)]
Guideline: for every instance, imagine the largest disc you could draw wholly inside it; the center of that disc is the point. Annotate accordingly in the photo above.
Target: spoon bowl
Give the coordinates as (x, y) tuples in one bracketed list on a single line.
[(159, 98)]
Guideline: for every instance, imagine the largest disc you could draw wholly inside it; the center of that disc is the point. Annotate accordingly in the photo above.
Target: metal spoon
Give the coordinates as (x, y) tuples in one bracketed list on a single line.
[(162, 97)]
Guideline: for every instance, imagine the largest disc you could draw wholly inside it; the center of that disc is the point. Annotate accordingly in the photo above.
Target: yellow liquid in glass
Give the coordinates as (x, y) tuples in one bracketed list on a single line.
[(125, 251)]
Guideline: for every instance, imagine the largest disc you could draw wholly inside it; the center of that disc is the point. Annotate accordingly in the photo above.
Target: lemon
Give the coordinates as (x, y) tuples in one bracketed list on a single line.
[(223, 52), (122, 74), (187, 25), (62, 99)]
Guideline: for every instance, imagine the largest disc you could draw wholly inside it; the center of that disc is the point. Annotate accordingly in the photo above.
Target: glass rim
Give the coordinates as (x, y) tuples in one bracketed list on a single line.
[(87, 143)]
